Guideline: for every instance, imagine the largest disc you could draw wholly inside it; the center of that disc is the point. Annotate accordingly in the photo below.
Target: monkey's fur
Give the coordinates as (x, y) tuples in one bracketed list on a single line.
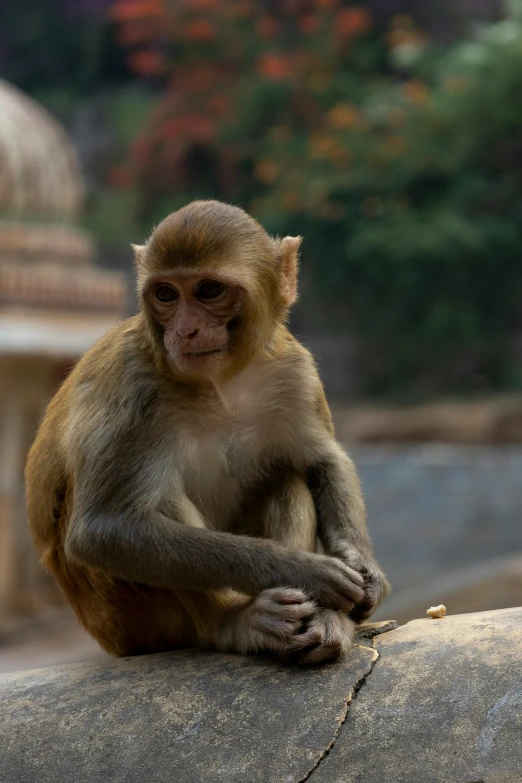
[(187, 467)]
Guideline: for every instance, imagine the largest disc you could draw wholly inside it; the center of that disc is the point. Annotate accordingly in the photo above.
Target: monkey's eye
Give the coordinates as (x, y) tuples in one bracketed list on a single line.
[(165, 293), (210, 289)]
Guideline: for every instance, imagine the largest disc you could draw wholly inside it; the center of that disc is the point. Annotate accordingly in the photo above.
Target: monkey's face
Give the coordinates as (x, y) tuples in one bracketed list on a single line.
[(196, 313)]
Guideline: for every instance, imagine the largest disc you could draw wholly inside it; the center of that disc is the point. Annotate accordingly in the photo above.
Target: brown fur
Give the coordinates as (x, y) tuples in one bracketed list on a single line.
[(177, 500)]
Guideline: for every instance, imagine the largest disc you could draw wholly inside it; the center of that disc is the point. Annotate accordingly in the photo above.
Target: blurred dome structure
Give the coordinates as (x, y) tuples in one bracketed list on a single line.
[(54, 304), (39, 172), (53, 300)]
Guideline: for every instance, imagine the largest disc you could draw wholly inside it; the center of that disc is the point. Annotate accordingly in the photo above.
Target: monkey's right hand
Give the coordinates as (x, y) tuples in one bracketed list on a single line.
[(332, 584)]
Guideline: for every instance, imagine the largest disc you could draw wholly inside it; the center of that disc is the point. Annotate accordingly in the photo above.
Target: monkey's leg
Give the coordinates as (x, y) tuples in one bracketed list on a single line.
[(288, 515), (284, 511)]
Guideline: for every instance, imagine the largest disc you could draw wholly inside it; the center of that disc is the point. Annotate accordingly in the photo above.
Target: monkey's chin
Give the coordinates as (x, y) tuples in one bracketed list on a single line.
[(199, 362)]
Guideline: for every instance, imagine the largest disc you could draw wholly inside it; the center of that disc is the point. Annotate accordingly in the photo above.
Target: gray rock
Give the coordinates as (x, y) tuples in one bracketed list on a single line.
[(435, 701), (186, 716), (442, 705)]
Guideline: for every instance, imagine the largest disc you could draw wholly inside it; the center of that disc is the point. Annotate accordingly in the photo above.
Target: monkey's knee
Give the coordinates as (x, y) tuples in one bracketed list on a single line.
[(290, 515)]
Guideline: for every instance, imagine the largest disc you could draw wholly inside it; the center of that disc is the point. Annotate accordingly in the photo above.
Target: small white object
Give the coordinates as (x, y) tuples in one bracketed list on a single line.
[(436, 611)]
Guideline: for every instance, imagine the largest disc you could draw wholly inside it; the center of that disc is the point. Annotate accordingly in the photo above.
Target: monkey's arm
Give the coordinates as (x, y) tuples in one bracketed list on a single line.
[(148, 547), (341, 522)]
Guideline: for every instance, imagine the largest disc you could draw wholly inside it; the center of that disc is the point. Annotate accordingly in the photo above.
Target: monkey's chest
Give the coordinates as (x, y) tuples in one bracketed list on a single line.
[(258, 422), (220, 470), (225, 464)]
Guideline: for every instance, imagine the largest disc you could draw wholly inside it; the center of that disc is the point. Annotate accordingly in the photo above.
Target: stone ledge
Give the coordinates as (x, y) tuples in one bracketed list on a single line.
[(435, 701), (496, 420)]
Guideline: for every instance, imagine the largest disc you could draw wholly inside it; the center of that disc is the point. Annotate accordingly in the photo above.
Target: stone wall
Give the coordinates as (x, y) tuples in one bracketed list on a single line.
[(439, 511)]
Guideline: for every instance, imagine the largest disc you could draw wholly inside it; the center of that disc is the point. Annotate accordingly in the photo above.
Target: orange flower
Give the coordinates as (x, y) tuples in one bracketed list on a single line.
[(273, 66), (125, 10), (204, 5), (321, 145), (416, 92), (219, 103), (456, 85), (395, 146), (399, 37), (397, 117), (267, 27), (202, 129), (340, 155), (279, 134), (371, 206), (266, 171), (343, 116), (291, 202), (200, 30), (308, 24), (120, 177), (172, 127), (333, 210), (352, 21), (147, 63), (243, 8), (403, 21), (404, 31), (319, 82), (138, 31)]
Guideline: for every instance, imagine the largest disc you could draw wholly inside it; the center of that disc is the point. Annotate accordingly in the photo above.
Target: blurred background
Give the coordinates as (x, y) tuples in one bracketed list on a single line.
[(389, 134)]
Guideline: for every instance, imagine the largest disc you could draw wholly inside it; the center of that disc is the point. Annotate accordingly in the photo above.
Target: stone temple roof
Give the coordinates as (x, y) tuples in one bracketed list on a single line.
[(39, 172), (53, 299)]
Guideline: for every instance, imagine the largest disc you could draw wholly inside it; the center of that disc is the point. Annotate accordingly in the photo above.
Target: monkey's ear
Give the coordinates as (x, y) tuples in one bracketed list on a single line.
[(139, 253), (289, 249)]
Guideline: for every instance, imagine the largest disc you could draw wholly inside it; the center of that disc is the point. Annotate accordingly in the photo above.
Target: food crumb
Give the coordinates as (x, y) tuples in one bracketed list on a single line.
[(436, 611)]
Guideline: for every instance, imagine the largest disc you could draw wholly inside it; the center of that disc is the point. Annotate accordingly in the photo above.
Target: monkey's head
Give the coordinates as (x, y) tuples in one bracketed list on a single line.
[(214, 287)]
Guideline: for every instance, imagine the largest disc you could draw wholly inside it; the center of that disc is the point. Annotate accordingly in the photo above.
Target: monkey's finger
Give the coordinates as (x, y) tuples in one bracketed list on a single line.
[(292, 611), (363, 610), (336, 600), (287, 603), (286, 595), (341, 592), (276, 628), (375, 589), (337, 634), (355, 576), (311, 637), (328, 651)]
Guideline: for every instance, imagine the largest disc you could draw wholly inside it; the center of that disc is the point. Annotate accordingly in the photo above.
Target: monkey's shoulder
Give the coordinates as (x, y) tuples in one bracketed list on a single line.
[(274, 404), (112, 387), (119, 358)]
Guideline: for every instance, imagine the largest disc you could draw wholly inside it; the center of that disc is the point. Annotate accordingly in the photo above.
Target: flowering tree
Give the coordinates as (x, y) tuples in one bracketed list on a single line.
[(240, 78), (396, 161)]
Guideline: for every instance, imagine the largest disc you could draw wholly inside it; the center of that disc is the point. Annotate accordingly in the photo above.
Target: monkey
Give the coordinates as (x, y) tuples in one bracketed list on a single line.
[(186, 474)]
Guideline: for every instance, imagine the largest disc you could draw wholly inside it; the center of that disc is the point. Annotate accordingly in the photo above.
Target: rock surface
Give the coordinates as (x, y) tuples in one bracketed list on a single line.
[(435, 701), (443, 705), (187, 716)]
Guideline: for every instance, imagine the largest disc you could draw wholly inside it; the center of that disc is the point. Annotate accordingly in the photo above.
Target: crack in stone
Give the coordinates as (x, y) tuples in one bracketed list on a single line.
[(351, 696), (364, 640)]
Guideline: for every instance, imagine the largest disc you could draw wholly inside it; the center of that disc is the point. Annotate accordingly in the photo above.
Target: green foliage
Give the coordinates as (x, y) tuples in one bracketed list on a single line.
[(110, 216), (419, 233)]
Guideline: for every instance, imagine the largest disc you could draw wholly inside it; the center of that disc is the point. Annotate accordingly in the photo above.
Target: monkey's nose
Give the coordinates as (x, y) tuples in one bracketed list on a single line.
[(187, 333)]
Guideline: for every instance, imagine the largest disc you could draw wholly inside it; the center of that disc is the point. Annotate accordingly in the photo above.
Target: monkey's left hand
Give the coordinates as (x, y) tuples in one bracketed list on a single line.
[(376, 587)]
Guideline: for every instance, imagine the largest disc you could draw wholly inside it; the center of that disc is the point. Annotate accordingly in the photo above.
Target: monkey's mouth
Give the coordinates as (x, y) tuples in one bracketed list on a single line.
[(200, 354)]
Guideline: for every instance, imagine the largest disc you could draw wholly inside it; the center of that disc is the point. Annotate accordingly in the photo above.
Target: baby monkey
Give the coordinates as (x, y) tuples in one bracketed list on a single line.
[(187, 468)]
